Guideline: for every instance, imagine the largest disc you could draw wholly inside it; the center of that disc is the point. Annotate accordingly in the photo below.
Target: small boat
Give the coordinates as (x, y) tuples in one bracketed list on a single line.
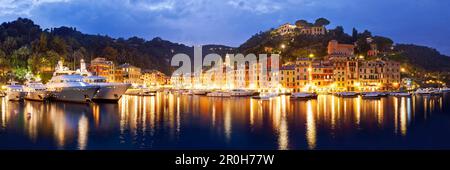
[(200, 92), (265, 96), (15, 92), (371, 95), (347, 94), (303, 95), (428, 91), (146, 92), (219, 94), (36, 91), (445, 89), (188, 92), (241, 93), (384, 94), (400, 94)]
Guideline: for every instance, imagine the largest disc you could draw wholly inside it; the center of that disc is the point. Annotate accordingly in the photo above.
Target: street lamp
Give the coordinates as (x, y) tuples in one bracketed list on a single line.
[(402, 69), (361, 57), (311, 55), (283, 46)]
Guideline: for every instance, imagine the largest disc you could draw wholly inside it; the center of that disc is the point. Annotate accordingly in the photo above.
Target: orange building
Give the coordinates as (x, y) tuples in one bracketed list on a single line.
[(336, 49)]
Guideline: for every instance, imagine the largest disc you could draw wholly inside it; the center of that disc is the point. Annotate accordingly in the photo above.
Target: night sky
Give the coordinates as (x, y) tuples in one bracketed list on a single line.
[(231, 22)]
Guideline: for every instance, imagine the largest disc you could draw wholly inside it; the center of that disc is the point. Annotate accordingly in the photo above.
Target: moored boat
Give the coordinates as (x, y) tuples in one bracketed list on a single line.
[(15, 92), (428, 91), (36, 91), (71, 88), (371, 95), (347, 94), (303, 95), (219, 93), (265, 96), (200, 92), (400, 94), (241, 93)]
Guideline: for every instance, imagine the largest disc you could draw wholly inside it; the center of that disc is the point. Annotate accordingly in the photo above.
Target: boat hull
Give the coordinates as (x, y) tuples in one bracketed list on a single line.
[(110, 93), (15, 95), (75, 94), (37, 96)]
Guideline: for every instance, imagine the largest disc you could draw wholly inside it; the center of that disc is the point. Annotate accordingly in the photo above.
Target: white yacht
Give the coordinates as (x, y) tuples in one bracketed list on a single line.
[(66, 85), (219, 93), (347, 94), (71, 88), (108, 91), (200, 92), (400, 94), (428, 91), (36, 91), (303, 95), (371, 95), (15, 92), (265, 95)]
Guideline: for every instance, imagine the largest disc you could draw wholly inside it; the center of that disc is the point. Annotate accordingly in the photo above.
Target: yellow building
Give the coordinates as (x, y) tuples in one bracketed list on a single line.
[(287, 78), (153, 78), (131, 74), (102, 67)]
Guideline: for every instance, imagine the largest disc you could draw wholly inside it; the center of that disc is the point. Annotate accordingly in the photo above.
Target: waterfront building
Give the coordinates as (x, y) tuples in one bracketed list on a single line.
[(341, 70), (287, 78), (153, 78), (131, 74), (303, 74), (105, 68)]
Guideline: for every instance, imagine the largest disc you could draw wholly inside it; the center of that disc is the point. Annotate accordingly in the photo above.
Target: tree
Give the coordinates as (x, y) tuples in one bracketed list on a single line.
[(354, 34), (321, 22), (302, 23), (20, 56), (110, 53), (59, 45)]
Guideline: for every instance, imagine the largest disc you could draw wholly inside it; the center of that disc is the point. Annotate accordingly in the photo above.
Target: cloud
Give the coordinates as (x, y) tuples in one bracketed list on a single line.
[(256, 6), (153, 5), (23, 7)]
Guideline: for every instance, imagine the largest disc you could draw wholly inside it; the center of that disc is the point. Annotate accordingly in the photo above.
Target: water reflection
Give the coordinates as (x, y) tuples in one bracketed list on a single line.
[(194, 122)]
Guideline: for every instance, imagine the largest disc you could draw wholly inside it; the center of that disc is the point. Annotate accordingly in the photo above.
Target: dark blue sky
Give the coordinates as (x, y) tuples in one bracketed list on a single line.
[(231, 22)]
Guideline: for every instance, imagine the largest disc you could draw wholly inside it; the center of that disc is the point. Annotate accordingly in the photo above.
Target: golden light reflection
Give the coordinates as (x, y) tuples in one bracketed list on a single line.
[(4, 112), (380, 112), (333, 113), (227, 122), (83, 128), (403, 120), (395, 115), (310, 126), (31, 119), (358, 111), (283, 138), (252, 112)]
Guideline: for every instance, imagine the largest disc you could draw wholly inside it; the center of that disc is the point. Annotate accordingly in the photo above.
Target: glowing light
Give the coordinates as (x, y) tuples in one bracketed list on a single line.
[(310, 126)]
